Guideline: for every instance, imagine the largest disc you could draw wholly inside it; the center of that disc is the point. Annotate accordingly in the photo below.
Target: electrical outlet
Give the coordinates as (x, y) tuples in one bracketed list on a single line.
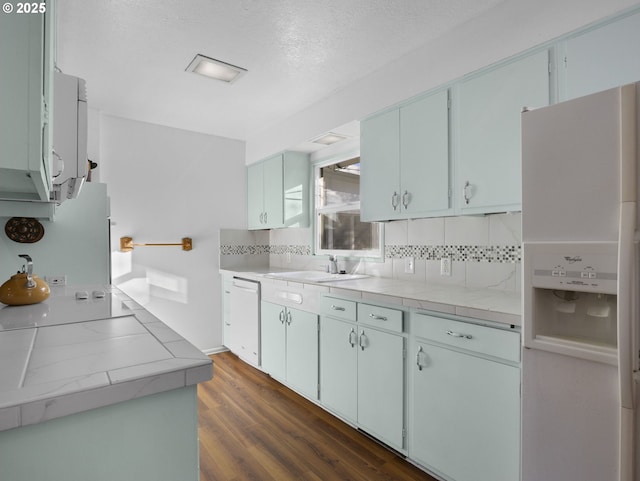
[(445, 266), (288, 256), (56, 280), (409, 265)]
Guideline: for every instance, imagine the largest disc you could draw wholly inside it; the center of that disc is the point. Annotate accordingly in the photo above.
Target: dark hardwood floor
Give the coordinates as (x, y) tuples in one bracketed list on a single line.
[(254, 428)]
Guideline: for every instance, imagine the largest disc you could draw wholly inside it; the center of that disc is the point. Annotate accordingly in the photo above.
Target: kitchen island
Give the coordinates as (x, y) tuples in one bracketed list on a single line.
[(93, 386)]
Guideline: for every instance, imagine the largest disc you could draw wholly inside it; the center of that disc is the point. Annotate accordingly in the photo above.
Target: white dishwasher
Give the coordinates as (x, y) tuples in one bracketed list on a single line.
[(245, 320)]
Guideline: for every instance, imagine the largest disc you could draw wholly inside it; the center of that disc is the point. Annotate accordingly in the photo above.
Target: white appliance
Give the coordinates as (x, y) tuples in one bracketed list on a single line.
[(245, 320), (580, 262), (70, 162)]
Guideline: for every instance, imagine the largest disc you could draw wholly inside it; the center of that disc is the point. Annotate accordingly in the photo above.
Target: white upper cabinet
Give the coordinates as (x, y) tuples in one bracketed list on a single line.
[(278, 192), (488, 161), (405, 161), (380, 166), (27, 59), (601, 58)]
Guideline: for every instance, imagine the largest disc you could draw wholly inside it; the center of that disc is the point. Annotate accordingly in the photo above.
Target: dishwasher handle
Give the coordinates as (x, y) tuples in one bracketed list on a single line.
[(243, 285)]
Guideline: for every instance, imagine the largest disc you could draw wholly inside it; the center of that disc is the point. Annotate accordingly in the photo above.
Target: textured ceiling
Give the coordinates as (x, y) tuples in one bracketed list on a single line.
[(133, 53)]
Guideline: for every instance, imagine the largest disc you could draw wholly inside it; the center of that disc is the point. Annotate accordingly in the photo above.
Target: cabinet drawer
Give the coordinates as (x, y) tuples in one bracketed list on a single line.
[(471, 337), (383, 317), (339, 308)]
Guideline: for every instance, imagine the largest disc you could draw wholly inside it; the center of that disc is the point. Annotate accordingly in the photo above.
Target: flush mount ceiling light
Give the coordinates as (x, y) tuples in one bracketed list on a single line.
[(329, 138), (215, 69)]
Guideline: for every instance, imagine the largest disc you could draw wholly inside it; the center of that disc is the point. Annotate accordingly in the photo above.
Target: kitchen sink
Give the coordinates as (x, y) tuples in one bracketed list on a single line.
[(314, 276)]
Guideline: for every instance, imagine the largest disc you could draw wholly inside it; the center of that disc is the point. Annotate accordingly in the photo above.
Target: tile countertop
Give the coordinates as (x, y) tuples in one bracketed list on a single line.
[(67, 355), (486, 304)]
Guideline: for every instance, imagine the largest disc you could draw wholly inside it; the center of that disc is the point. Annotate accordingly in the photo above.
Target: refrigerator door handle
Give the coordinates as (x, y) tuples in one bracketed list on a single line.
[(626, 266)]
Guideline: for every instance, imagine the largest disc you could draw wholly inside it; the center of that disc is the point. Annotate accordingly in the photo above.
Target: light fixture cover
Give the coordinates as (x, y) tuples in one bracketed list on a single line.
[(329, 138), (215, 69)]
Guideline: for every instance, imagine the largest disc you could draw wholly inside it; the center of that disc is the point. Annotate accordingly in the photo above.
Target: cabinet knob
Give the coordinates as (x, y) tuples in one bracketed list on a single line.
[(394, 201)]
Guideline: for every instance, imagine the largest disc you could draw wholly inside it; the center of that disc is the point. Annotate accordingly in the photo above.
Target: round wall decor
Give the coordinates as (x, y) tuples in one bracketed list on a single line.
[(25, 230)]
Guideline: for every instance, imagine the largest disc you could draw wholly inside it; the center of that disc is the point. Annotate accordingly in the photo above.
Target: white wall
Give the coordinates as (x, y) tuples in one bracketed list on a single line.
[(166, 184), (508, 29), (74, 245)]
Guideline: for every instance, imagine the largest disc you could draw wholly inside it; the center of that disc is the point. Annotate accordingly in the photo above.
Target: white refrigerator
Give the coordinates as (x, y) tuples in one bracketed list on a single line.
[(580, 289)]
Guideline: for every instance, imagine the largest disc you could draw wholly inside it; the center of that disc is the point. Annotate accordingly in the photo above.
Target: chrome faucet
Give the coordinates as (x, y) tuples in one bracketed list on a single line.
[(333, 264)]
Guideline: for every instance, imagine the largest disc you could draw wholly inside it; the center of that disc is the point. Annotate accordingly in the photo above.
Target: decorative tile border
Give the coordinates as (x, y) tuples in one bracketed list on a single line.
[(237, 250), (503, 254), (240, 250)]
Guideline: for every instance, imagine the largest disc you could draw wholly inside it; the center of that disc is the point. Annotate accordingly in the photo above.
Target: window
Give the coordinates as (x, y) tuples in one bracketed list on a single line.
[(338, 228)]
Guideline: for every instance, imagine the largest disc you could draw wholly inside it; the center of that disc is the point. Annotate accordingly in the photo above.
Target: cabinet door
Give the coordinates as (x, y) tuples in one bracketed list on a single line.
[(381, 385), (273, 192), (26, 76), (379, 167), (302, 352), (465, 415), (489, 151), (338, 367), (255, 196), (226, 310), (296, 189), (424, 156), (603, 58), (273, 337)]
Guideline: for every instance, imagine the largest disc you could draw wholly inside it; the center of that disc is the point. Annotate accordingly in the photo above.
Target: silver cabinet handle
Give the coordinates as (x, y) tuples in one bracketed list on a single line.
[(377, 317), (419, 358), (362, 341), (281, 317), (261, 217), (405, 199), (394, 200), (352, 337), (466, 192), (265, 217), (337, 308), (459, 334), (289, 318)]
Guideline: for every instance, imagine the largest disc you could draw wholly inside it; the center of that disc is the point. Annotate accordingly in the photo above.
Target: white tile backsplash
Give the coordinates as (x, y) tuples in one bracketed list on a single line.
[(457, 277), (426, 231), (466, 231), (505, 229), (395, 233), (491, 275), (485, 250)]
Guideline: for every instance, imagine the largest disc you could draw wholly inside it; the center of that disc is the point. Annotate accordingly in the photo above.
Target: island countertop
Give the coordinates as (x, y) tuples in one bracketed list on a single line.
[(68, 354)]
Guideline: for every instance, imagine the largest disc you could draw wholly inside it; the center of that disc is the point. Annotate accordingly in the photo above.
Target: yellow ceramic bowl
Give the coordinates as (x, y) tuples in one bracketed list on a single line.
[(15, 292)]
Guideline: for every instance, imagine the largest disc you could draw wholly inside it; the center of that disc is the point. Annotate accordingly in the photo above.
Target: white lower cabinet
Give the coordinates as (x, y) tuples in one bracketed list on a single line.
[(465, 400), (226, 310), (362, 369), (289, 343)]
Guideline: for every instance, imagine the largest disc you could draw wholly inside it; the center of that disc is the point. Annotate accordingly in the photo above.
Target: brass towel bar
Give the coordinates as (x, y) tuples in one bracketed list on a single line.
[(127, 245)]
